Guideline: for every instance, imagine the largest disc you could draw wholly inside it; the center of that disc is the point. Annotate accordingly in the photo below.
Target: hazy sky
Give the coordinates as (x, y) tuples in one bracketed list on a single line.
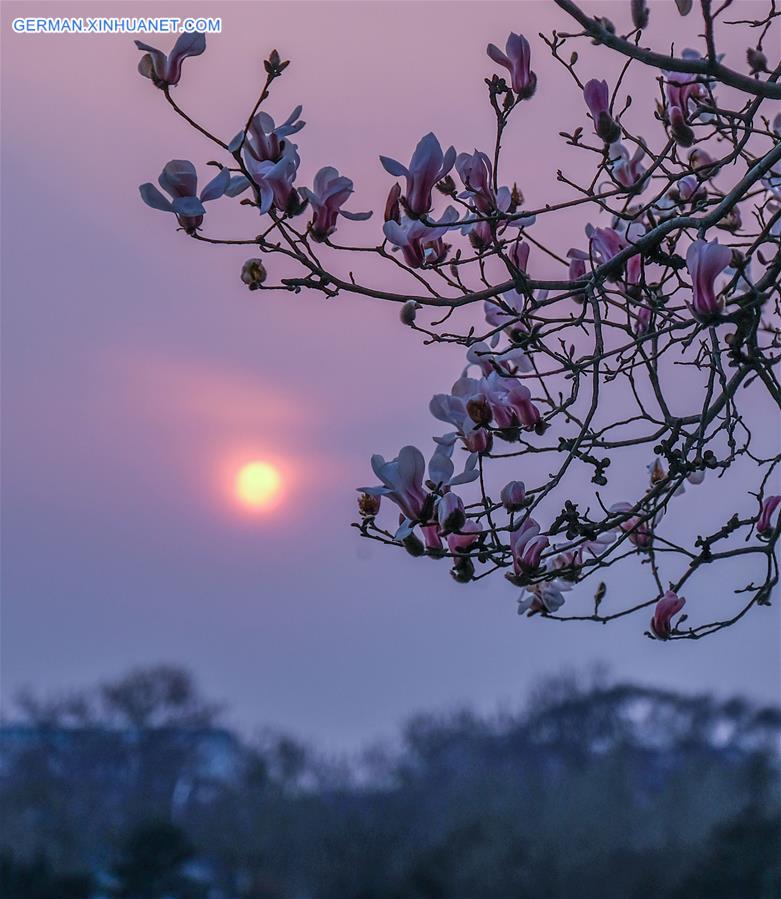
[(138, 373)]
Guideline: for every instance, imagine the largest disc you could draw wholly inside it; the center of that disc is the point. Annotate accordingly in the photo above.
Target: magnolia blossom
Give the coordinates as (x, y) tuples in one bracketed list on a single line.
[(420, 244), (765, 520), (547, 596), (475, 171), (164, 70), (513, 495), (275, 180), (180, 181), (427, 166), (506, 313), (706, 261), (639, 531), (517, 60), (450, 513), (683, 90), (498, 396), (527, 546), (625, 169), (668, 606), (329, 191), (265, 140), (597, 97), (465, 538), (402, 481)]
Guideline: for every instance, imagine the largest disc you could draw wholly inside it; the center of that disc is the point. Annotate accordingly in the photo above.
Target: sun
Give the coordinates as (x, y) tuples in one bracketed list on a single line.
[(258, 485)]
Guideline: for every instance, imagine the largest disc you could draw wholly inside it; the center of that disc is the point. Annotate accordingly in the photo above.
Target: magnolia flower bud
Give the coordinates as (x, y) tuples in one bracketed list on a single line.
[(463, 571), (392, 208), (369, 505), (757, 60), (513, 496), (253, 273), (409, 311), (450, 513), (414, 545), (639, 13)]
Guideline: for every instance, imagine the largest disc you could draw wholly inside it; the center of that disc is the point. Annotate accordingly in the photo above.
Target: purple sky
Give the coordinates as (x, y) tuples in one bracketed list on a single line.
[(138, 372)]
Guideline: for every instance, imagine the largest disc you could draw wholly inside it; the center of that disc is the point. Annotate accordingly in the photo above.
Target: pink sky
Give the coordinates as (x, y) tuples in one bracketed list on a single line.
[(138, 371)]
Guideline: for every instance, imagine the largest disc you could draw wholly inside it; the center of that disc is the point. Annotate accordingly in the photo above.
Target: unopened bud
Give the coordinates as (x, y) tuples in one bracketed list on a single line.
[(392, 210), (463, 571), (757, 60), (253, 273), (408, 312), (414, 545), (513, 496), (639, 13)]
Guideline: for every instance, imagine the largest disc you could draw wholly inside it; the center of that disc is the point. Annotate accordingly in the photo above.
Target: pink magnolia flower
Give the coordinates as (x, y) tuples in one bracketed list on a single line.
[(431, 538), (527, 546), (478, 440), (180, 181), (517, 60), (329, 191), (265, 140), (512, 495), (627, 170), (683, 89), (519, 254), (465, 538), (506, 315), (668, 606), (427, 166), (420, 244), (519, 398), (275, 180), (402, 481), (450, 513), (706, 261), (605, 243), (765, 520), (475, 170), (640, 532), (597, 97), (167, 70), (545, 597)]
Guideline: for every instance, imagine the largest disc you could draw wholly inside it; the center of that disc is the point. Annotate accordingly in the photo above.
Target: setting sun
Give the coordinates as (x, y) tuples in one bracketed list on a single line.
[(258, 485)]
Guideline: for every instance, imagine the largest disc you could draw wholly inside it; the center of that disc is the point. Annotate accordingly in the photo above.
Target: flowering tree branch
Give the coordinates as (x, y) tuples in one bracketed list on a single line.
[(647, 351)]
